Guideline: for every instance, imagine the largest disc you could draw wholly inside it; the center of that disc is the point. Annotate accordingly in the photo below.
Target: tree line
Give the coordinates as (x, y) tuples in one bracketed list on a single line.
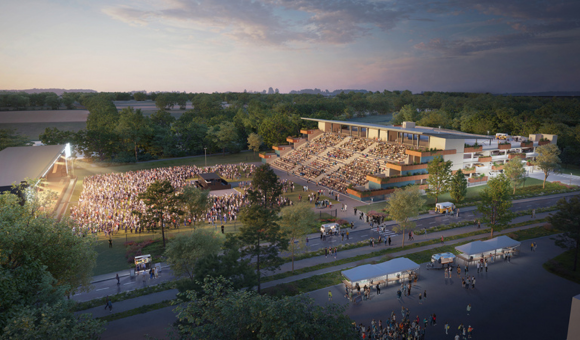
[(210, 123)]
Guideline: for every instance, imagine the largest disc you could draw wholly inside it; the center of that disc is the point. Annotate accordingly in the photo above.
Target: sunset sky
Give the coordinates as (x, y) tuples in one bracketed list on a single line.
[(226, 45)]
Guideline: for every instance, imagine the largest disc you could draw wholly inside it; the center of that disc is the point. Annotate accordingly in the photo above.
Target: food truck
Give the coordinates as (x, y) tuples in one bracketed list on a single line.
[(444, 207), (442, 260), (143, 263), (330, 228)]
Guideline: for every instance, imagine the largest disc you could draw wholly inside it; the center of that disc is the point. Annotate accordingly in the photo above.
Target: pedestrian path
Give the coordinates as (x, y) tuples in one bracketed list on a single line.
[(125, 305)]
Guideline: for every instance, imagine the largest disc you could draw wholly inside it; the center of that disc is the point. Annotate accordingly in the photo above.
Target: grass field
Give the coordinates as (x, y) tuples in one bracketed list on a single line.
[(570, 169), (563, 265), (33, 130), (43, 116)]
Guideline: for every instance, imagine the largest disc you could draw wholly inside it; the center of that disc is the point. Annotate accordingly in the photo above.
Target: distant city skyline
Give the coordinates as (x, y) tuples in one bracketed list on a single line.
[(496, 46)]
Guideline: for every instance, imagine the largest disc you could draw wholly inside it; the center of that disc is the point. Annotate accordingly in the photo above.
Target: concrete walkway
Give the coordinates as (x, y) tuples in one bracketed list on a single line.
[(129, 304)]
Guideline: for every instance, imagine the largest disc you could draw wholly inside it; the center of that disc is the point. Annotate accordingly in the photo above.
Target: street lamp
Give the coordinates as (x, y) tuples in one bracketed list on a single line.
[(488, 137), (205, 153)]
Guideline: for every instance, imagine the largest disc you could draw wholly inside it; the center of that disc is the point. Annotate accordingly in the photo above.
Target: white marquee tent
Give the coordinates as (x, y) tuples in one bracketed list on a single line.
[(380, 271), (482, 247)]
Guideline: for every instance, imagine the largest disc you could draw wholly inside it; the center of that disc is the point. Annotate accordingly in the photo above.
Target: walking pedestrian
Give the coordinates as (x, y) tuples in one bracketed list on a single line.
[(478, 224), (117, 277), (446, 327), (378, 289), (533, 213), (329, 295), (469, 331), (325, 252), (425, 295), (347, 235), (110, 305), (473, 282), (468, 308), (466, 269), (442, 239), (485, 264), (335, 251), (389, 240), (420, 300)]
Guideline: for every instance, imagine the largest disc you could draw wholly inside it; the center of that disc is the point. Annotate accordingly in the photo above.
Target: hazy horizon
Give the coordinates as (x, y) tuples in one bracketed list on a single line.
[(497, 46)]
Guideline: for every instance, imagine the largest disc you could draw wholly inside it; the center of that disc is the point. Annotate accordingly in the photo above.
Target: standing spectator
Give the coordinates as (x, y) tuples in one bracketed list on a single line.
[(473, 282), (420, 299), (468, 308), (117, 277), (469, 331), (446, 327), (335, 251), (325, 252), (378, 289), (485, 264), (389, 240), (533, 213), (442, 239), (478, 224), (425, 295)]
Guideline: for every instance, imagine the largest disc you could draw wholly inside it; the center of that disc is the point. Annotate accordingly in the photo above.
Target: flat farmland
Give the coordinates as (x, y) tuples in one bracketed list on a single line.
[(33, 130), (148, 107), (43, 116)]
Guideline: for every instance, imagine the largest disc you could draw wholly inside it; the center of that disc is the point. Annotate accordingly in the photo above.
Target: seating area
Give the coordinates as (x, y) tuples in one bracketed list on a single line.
[(357, 144), (324, 156), (390, 152)]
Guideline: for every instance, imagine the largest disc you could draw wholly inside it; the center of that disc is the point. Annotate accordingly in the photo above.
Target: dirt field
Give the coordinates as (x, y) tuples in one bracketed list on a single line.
[(33, 130), (43, 116)]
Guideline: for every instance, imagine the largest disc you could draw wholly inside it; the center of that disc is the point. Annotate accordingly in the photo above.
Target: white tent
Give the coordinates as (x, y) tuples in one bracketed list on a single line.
[(480, 247), (379, 271)]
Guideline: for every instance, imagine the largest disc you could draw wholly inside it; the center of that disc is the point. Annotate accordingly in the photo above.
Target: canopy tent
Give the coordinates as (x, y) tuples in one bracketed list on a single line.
[(376, 271), (480, 247), (445, 257)]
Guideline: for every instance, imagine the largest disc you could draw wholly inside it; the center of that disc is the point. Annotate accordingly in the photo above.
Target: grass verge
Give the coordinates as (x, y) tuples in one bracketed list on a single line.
[(563, 264), (135, 311)]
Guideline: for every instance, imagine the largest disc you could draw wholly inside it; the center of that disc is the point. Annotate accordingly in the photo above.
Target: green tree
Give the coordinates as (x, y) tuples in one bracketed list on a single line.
[(133, 127), (224, 135), (265, 187), (184, 250), (567, 219), (162, 101), (262, 237), (220, 312), (496, 202), (182, 101), (9, 138), (196, 202), (254, 142), (403, 205), (162, 202), (42, 261), (439, 177), (547, 160), (458, 186), (53, 101), (54, 136), (296, 222), (229, 264), (140, 96), (515, 171)]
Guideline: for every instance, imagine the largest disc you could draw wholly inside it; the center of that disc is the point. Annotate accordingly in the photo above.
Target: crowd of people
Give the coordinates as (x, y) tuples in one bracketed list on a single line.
[(107, 201), (328, 155)]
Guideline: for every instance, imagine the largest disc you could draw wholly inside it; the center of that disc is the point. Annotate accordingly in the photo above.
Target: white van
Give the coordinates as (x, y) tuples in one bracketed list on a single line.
[(329, 229), (444, 207)]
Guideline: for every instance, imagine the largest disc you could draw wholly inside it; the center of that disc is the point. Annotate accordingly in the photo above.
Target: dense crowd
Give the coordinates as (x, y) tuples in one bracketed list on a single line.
[(107, 201), (328, 155)]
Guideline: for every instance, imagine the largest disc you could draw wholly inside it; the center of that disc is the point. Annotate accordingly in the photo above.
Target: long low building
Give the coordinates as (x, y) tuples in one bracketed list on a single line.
[(399, 155), (389, 271), (498, 246)]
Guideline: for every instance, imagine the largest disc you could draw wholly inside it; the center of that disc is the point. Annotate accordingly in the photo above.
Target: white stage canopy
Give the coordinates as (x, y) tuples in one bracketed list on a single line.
[(373, 271), (480, 247)]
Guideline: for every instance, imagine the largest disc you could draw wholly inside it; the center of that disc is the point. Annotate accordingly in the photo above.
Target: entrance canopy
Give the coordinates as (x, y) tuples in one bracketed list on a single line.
[(480, 247), (374, 271)]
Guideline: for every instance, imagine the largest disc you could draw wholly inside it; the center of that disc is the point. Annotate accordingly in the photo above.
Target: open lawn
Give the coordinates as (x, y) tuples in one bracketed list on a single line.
[(33, 130), (563, 265), (43, 116)]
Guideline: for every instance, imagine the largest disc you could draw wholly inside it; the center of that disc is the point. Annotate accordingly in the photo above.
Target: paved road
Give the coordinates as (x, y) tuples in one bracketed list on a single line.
[(517, 300)]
